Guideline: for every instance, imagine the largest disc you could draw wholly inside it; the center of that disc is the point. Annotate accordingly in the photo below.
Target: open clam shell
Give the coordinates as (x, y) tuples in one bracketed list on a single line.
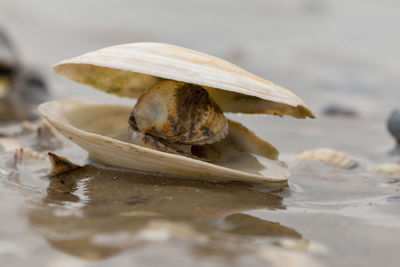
[(101, 129), (128, 70)]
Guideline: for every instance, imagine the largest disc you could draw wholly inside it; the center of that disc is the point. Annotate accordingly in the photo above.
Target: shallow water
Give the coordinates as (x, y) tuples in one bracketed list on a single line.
[(96, 216), (329, 52)]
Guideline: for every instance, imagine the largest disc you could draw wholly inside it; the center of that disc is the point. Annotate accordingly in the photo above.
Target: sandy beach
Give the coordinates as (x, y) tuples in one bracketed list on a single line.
[(333, 54)]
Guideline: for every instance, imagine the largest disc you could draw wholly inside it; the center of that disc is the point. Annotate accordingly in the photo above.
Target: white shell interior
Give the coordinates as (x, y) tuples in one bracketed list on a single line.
[(102, 130)]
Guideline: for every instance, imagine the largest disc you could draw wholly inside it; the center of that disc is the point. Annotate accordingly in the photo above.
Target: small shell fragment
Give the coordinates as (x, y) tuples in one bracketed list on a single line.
[(60, 164), (330, 156), (391, 169)]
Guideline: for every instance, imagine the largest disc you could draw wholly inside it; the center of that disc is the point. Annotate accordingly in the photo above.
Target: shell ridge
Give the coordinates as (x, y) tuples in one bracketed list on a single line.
[(210, 83)]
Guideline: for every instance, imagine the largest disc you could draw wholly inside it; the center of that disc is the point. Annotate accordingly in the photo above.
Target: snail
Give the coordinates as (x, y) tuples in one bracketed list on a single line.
[(172, 116), (177, 126)]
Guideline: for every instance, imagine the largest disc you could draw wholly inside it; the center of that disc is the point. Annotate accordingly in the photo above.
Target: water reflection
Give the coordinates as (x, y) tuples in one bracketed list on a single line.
[(94, 213)]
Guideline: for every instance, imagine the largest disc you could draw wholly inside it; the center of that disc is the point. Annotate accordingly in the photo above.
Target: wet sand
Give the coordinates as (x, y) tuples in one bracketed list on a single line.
[(341, 53)]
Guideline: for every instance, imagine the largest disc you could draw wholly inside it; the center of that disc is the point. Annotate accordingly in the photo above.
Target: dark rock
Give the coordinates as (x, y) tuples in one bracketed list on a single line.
[(25, 88), (337, 110), (393, 124)]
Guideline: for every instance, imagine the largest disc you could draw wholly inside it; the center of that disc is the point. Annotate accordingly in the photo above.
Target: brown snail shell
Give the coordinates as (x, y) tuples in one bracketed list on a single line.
[(181, 113)]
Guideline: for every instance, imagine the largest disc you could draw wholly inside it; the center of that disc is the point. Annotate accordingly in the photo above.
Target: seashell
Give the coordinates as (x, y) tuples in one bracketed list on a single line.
[(390, 169), (107, 141), (236, 153), (60, 164), (330, 156), (111, 68)]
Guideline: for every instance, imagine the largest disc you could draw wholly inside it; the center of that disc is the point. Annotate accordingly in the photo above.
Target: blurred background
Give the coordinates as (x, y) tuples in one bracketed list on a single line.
[(341, 57)]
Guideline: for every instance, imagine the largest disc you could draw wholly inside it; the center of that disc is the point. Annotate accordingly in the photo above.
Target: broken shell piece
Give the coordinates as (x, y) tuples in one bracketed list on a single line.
[(390, 169), (330, 156), (60, 164), (164, 140)]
